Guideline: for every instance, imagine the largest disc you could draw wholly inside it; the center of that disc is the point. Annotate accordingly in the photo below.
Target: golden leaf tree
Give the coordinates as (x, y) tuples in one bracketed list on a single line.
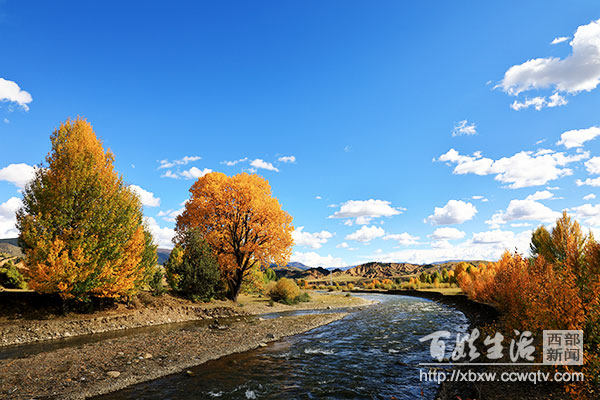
[(80, 225), (242, 221)]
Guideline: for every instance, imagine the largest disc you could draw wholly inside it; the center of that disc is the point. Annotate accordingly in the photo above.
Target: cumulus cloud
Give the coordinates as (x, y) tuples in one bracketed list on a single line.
[(366, 233), (346, 246), (363, 211), (590, 196), (170, 215), (287, 159), (182, 161), (313, 259), (147, 198), (595, 182), (403, 239), (17, 174), (593, 165), (580, 71), (8, 217), (454, 212), (540, 195), (464, 128), (487, 247), (520, 170), (192, 173), (262, 164), (590, 214), (447, 233), (162, 236), (577, 137), (312, 240), (12, 93), (518, 210)]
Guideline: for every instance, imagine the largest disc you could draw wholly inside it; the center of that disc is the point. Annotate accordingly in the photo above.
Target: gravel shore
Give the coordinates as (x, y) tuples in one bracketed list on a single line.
[(109, 365)]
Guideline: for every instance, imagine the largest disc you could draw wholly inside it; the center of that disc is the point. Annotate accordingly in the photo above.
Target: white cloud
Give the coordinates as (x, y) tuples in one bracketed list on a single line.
[(8, 218), (147, 198), (195, 173), (287, 159), (262, 164), (232, 163), (481, 198), (590, 196), (589, 182), (577, 137), (559, 39), (495, 236), (6, 121), (578, 72), (520, 224), (318, 197), (454, 212), (593, 165), (590, 214), (519, 210), (182, 161), (520, 170), (312, 240), (366, 233), (540, 195), (11, 92), (403, 239), (464, 128), (162, 236), (365, 210), (17, 174), (447, 233), (467, 250), (313, 259), (170, 215), (346, 246), (539, 102), (192, 173)]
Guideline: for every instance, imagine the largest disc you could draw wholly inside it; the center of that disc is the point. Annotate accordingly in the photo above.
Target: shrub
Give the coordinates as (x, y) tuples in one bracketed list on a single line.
[(156, 282), (302, 298), (193, 269), (350, 286), (10, 277), (285, 291)]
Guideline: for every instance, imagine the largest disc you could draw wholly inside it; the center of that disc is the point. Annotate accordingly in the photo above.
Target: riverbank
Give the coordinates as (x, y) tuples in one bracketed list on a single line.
[(106, 366), (27, 326)]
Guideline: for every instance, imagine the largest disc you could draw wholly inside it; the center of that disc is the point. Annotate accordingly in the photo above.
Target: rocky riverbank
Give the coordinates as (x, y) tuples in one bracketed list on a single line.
[(105, 366), (146, 310)]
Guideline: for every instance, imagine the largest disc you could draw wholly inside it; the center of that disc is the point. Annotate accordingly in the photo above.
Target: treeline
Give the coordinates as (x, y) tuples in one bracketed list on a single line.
[(557, 287), (83, 233)]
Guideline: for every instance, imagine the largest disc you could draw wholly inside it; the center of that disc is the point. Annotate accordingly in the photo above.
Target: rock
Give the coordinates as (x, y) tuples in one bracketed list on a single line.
[(261, 319), (120, 353), (270, 336), (329, 307), (113, 374), (262, 345), (147, 355), (189, 373)]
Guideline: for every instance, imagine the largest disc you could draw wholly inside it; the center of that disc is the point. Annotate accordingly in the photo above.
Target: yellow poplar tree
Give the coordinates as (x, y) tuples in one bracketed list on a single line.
[(81, 227), (242, 221)]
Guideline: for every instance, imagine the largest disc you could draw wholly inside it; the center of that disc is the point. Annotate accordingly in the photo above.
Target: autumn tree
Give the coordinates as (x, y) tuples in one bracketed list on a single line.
[(81, 227), (241, 220)]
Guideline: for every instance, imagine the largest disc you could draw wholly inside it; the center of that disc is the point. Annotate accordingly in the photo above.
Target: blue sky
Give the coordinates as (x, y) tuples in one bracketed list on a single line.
[(389, 131)]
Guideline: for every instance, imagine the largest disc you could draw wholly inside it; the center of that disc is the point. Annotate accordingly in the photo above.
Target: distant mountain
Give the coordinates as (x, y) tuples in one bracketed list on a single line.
[(11, 246), (163, 255)]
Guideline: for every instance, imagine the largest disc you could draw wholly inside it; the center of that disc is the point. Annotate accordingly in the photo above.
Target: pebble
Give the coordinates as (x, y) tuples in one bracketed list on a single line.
[(262, 345), (147, 355), (113, 374)]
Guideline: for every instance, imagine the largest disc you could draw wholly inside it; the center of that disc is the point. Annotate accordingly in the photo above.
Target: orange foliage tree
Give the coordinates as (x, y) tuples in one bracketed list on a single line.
[(80, 225), (557, 288), (242, 221)]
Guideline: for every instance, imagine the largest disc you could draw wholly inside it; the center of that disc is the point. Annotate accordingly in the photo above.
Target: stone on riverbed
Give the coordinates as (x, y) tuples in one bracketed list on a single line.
[(113, 374)]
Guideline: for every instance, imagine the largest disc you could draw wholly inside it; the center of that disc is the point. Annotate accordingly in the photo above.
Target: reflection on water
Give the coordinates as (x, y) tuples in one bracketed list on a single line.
[(371, 354)]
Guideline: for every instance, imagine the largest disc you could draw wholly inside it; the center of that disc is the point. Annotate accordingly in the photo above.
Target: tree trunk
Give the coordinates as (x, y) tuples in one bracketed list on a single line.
[(237, 285)]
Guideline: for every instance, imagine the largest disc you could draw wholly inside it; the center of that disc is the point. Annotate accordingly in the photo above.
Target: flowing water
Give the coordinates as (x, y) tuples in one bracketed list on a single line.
[(370, 354)]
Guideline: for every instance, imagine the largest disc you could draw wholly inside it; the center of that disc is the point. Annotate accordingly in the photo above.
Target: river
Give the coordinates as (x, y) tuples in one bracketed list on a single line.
[(370, 354)]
